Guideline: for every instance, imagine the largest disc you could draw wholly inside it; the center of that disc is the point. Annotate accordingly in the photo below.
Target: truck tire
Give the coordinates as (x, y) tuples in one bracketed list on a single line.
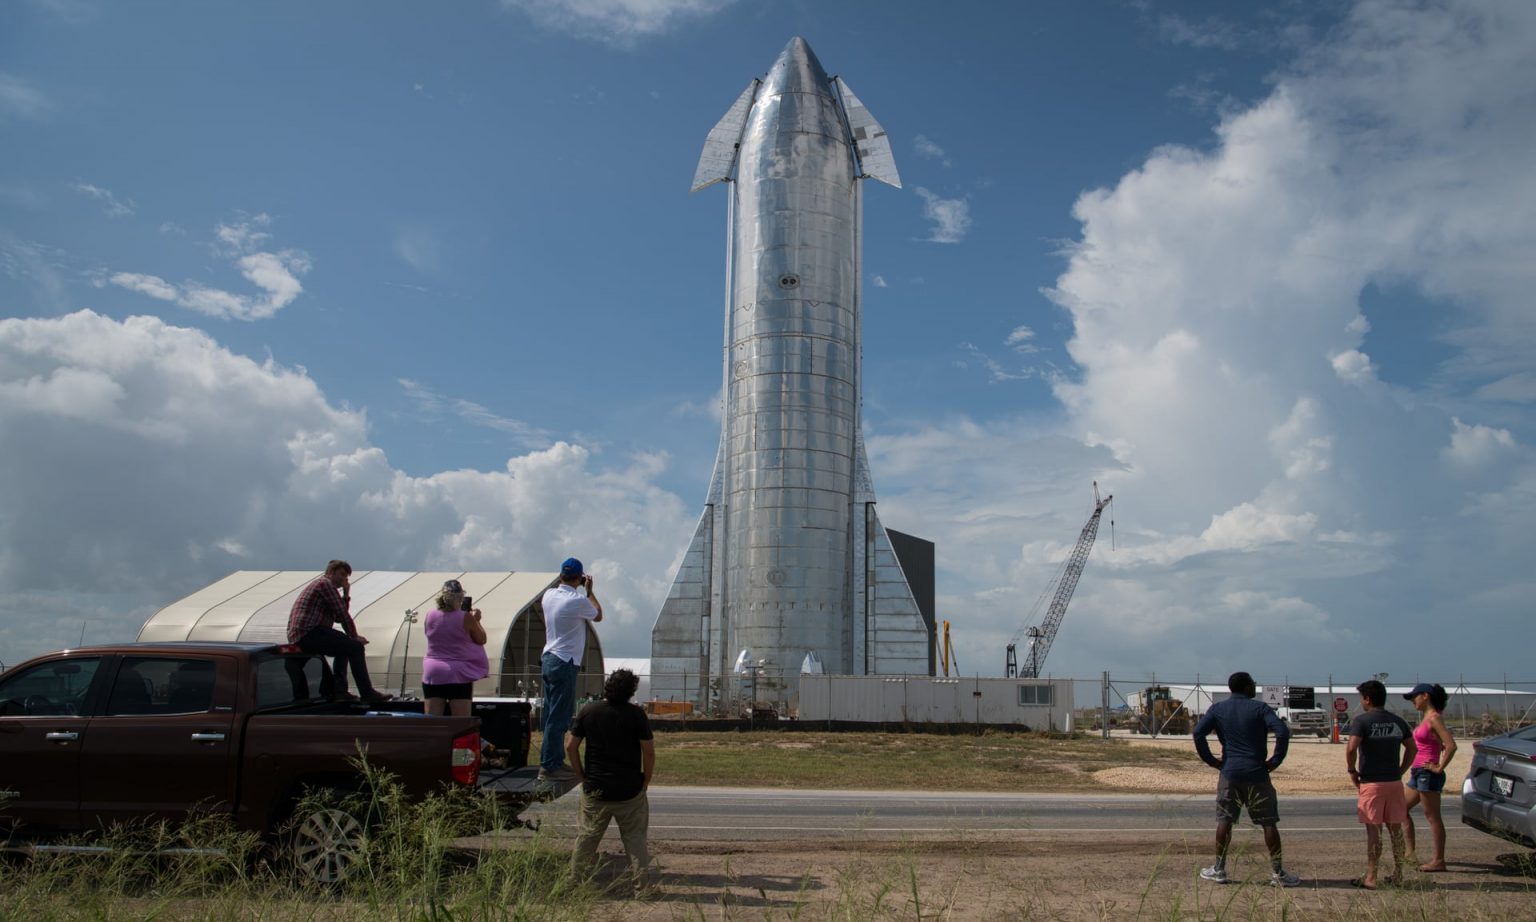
[(324, 844)]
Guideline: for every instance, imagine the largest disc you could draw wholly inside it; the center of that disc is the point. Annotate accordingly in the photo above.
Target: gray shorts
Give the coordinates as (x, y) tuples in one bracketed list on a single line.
[(1258, 797)]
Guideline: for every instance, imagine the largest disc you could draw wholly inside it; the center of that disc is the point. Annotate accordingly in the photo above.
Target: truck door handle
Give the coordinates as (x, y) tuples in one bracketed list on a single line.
[(207, 737), (61, 736)]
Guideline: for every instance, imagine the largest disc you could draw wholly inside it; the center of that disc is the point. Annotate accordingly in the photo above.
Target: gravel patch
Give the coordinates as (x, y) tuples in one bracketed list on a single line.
[(1311, 766)]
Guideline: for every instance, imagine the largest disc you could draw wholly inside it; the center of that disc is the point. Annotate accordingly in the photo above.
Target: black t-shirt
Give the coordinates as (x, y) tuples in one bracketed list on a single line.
[(612, 760), (1381, 734)]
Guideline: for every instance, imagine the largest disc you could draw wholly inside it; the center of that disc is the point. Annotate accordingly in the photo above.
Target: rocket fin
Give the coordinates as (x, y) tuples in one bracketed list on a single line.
[(679, 639), (869, 139), (863, 484), (899, 637), (724, 141)]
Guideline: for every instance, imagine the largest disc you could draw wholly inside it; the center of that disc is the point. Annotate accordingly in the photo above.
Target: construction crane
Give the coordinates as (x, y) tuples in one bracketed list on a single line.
[(1040, 636)]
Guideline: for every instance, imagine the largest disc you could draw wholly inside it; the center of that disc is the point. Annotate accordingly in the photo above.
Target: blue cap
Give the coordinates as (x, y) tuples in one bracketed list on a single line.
[(1423, 688), (571, 567)]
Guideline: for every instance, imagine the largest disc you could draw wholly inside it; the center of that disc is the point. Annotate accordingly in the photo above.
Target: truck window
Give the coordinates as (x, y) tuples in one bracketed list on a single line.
[(161, 685), (285, 681), (49, 689)]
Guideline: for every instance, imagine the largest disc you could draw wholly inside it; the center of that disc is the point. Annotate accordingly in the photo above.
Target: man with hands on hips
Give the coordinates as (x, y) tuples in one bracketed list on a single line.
[(1243, 725)]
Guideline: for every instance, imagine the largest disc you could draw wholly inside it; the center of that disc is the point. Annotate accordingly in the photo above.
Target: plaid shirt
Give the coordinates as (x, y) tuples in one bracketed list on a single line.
[(319, 605)]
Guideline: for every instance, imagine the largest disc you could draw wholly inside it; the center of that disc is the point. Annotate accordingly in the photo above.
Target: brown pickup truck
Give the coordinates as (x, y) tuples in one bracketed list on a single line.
[(103, 735)]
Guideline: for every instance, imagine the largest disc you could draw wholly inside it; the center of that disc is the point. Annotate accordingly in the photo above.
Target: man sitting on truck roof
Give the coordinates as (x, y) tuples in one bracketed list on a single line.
[(321, 605)]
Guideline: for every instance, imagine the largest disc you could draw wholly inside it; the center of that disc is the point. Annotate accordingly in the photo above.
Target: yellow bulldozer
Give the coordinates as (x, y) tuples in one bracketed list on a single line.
[(1162, 714)]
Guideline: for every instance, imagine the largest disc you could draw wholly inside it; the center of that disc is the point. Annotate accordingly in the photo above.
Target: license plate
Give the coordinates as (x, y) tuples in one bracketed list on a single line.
[(1504, 787)]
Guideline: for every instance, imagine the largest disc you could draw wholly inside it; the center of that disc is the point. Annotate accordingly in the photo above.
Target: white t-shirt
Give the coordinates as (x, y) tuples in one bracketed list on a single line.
[(566, 613)]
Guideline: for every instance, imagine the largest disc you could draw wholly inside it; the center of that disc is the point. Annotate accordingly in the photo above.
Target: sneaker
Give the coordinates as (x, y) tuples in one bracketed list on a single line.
[(560, 773), (1214, 874), (1283, 878)]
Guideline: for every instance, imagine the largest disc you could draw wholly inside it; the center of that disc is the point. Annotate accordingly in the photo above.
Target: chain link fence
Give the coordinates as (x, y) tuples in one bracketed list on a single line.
[(1150, 704)]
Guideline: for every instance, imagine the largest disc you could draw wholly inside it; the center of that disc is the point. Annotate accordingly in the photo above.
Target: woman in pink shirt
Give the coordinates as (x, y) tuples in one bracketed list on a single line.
[(455, 653), (1426, 777)]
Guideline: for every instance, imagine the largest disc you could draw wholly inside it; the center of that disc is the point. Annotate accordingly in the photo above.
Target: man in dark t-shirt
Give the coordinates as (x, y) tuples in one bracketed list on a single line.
[(1243, 725), (1380, 750), (619, 764)]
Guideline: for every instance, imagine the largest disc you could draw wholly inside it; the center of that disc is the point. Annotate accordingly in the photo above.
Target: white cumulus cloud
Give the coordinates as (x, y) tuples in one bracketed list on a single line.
[(925, 147), (144, 460), (114, 206), (617, 22), (951, 217), (1474, 446), (20, 99), (1265, 478), (275, 274)]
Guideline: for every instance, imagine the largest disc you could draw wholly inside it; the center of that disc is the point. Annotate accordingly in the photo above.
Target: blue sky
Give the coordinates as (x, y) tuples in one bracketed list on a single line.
[(422, 286)]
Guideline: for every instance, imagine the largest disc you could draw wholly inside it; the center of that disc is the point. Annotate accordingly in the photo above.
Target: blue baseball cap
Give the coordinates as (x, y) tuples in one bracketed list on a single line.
[(1423, 688), (571, 567)]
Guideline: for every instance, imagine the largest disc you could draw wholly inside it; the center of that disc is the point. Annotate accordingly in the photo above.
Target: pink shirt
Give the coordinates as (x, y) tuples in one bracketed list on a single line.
[(452, 656), (1428, 741)]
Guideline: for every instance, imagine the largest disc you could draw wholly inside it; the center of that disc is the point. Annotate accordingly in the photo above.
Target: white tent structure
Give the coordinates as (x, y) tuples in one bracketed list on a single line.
[(388, 607), (1467, 701)]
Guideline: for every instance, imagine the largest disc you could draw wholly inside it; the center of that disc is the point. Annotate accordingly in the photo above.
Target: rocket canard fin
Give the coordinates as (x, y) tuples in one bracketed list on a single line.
[(718, 160), (869, 139)]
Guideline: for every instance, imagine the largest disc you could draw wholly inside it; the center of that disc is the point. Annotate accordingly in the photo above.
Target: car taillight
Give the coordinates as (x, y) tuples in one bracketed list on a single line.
[(466, 758)]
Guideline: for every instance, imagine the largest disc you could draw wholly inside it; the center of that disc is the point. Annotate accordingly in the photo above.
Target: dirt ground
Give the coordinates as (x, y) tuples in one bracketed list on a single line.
[(1312, 766), (1061, 877), (1065, 876)]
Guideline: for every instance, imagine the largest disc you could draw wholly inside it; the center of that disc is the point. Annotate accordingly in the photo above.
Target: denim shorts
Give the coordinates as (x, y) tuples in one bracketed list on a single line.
[(1422, 779)]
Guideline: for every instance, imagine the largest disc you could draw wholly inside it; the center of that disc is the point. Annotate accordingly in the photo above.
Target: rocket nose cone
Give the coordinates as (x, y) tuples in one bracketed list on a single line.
[(796, 70)]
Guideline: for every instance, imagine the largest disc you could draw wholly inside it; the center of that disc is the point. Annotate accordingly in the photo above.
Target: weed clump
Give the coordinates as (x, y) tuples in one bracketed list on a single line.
[(358, 853)]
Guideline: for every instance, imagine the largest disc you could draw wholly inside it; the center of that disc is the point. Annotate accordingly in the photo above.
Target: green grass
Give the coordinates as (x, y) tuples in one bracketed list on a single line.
[(898, 761), (410, 869)]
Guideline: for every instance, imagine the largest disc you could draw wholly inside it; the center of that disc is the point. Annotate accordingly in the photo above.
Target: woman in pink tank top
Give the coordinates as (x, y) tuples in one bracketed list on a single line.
[(1426, 778), (455, 654)]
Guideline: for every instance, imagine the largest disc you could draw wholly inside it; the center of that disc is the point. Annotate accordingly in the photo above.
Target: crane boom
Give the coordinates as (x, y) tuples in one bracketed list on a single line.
[(1041, 637)]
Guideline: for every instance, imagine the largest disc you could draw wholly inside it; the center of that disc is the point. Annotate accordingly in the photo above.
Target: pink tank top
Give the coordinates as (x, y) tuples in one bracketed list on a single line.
[(1428, 742), (452, 657)]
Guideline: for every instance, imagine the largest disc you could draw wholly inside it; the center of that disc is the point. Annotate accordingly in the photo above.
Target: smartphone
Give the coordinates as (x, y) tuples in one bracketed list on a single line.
[(467, 604)]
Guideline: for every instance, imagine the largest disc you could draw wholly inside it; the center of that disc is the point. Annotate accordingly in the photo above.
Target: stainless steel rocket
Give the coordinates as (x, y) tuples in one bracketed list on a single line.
[(789, 566)]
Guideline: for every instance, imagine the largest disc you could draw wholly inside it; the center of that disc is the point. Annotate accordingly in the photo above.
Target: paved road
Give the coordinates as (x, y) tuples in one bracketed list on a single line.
[(703, 814)]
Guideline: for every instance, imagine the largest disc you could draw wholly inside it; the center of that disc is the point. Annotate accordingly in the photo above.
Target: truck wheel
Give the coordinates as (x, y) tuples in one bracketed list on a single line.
[(325, 845)]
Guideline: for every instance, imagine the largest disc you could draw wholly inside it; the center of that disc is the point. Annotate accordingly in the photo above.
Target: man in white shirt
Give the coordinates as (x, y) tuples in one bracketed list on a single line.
[(566, 613)]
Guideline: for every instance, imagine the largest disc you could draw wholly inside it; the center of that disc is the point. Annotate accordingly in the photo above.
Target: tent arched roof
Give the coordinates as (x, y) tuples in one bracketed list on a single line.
[(253, 606)]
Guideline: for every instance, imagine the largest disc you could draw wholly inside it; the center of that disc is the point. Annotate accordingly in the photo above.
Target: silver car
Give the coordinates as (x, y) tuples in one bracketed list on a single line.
[(1499, 795)]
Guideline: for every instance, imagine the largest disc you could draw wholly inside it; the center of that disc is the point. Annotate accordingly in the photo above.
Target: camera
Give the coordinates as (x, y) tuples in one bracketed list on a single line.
[(467, 604)]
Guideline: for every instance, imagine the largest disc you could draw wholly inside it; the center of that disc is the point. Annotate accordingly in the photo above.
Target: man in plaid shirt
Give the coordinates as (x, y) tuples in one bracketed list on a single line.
[(321, 605)]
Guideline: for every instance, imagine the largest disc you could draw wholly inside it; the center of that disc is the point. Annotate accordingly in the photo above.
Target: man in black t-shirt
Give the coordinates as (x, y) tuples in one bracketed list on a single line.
[(1380, 750), (619, 764)]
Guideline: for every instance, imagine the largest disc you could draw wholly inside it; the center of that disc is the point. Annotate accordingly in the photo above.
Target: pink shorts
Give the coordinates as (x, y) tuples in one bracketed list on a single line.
[(1382, 802)]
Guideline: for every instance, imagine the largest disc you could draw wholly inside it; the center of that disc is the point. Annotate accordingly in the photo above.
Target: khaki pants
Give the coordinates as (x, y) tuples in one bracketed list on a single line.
[(633, 817)]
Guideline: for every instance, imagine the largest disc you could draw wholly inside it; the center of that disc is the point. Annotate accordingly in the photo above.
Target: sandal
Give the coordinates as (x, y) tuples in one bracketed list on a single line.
[(1360, 882)]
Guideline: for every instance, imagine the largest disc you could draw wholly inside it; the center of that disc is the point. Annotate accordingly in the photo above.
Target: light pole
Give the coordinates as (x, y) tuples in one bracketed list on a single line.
[(405, 659)]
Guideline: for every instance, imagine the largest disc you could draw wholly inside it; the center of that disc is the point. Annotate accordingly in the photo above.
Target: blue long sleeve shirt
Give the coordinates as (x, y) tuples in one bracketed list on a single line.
[(1243, 726)]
